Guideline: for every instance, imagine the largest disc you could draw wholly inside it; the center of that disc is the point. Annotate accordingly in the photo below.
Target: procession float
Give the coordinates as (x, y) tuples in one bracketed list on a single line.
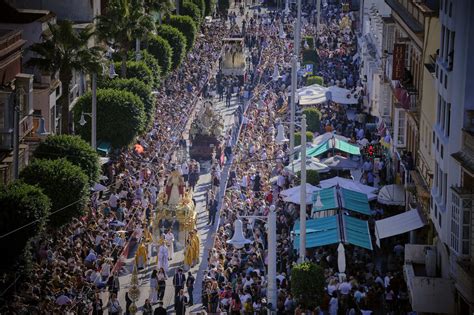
[(175, 204), (205, 132)]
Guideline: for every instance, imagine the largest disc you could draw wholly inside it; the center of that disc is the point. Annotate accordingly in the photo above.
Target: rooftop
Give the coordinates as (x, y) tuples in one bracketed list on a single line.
[(23, 16), (405, 15)]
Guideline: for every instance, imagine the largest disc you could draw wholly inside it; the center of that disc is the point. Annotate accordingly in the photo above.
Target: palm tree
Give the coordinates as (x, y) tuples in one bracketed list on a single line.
[(65, 50), (123, 23), (161, 7)]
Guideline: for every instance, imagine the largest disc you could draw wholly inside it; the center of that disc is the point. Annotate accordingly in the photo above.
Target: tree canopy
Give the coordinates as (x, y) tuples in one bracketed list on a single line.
[(186, 26), (120, 116), (65, 184), (20, 204), (75, 150), (307, 284), (161, 50), (177, 41)]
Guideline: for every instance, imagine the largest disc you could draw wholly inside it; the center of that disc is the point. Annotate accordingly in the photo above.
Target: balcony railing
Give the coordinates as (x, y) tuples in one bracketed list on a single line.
[(425, 290), (463, 273)]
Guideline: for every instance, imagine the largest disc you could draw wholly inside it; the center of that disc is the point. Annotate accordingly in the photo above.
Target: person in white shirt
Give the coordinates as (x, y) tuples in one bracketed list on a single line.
[(185, 171), (169, 242)]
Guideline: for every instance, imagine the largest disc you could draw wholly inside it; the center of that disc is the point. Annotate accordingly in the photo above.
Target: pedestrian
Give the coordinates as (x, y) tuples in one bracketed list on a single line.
[(190, 286), (113, 305), (180, 303), (212, 211), (147, 308), (154, 287), (160, 310), (179, 279)]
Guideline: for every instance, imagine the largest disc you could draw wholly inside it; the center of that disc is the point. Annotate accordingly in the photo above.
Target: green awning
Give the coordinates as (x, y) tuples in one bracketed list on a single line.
[(355, 201), (326, 231), (356, 232), (333, 143), (328, 199)]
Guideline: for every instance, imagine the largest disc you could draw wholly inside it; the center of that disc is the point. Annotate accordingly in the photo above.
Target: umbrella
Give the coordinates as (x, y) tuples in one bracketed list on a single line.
[(341, 258), (338, 162), (311, 164), (326, 136), (296, 190), (392, 195)]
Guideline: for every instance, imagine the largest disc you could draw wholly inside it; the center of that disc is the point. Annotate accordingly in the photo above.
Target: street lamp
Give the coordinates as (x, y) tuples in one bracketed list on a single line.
[(239, 241), (93, 114), (280, 136)]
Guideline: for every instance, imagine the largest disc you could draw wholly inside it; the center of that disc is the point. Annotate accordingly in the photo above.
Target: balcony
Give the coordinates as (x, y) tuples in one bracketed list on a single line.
[(463, 273), (465, 157), (424, 284)]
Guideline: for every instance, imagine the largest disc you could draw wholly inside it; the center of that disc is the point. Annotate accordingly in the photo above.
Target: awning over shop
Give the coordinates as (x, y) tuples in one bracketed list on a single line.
[(317, 94), (349, 200), (398, 224), (356, 232), (393, 195), (333, 143), (326, 231), (355, 201)]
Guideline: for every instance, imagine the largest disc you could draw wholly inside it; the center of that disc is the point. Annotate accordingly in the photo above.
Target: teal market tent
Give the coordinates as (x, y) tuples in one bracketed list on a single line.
[(334, 229), (336, 144), (342, 198)]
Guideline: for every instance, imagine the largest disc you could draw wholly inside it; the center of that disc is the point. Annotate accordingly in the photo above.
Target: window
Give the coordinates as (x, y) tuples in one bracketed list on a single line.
[(450, 9), (441, 151), (445, 188), (441, 51), (436, 177), (455, 208), (466, 227), (400, 120), (448, 120)]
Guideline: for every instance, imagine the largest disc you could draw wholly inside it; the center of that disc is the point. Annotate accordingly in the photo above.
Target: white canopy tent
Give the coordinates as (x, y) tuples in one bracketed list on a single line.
[(326, 136), (316, 94), (393, 195), (350, 185), (293, 194), (398, 224), (311, 164)]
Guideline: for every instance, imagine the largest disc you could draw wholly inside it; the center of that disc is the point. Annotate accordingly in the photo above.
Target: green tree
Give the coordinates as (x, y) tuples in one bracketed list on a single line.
[(310, 55), (65, 184), (201, 6), (20, 204), (123, 23), (313, 119), (138, 88), (177, 41), (307, 284), (192, 10), (120, 116), (139, 70), (223, 6), (152, 63), (160, 7), (186, 26), (161, 50), (309, 137), (312, 177), (66, 51), (210, 7), (75, 150), (314, 79)]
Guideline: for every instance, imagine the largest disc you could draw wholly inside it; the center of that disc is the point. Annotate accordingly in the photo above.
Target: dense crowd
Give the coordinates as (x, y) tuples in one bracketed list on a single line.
[(235, 281), (73, 266)]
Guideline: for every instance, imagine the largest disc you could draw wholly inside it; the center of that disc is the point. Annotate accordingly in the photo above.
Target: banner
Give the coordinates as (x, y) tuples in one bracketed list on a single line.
[(398, 69)]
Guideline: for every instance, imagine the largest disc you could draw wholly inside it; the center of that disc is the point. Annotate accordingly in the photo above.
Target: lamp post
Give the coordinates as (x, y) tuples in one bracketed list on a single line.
[(93, 113), (318, 15), (239, 241), (294, 81), (279, 139)]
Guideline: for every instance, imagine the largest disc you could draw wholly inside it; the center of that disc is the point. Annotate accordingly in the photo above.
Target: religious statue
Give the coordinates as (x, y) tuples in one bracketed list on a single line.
[(174, 188)]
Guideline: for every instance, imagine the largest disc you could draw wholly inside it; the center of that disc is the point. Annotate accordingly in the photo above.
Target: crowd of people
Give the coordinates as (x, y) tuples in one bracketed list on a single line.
[(235, 281), (72, 267)]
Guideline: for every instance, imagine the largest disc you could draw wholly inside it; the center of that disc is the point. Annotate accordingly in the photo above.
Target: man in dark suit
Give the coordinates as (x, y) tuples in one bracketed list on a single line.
[(212, 211), (180, 303), (179, 279), (160, 310)]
